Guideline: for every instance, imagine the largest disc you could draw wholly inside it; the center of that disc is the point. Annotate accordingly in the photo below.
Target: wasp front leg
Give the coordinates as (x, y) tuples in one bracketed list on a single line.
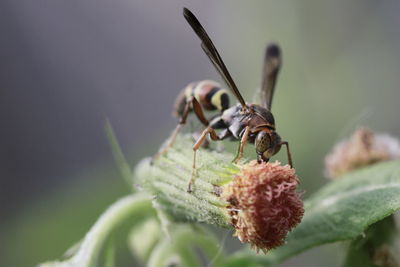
[(190, 103), (242, 145)]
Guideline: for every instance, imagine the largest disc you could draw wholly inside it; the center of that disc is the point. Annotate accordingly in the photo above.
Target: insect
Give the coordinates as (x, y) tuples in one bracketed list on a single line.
[(246, 122), (196, 96)]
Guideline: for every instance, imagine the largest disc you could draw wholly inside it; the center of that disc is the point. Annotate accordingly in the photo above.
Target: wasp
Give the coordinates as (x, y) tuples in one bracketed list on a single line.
[(248, 123), (197, 96)]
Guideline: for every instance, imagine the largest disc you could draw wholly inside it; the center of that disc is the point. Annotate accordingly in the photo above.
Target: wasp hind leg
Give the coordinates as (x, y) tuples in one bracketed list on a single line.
[(191, 102)]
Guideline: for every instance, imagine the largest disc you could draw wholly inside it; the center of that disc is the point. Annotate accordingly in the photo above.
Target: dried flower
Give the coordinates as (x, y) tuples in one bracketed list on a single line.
[(264, 205), (363, 148), (384, 257)]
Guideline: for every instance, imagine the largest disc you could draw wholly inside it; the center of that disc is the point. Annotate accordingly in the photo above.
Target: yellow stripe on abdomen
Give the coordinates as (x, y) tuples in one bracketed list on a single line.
[(216, 98)]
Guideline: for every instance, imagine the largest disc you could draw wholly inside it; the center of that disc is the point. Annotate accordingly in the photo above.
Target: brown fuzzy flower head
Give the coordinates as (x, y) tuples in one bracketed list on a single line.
[(264, 205), (363, 148)]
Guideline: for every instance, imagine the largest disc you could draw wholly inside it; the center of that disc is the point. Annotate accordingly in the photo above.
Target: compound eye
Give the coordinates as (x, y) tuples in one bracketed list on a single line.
[(263, 142)]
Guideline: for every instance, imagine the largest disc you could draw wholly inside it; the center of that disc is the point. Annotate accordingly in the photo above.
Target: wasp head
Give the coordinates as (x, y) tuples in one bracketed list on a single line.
[(267, 143)]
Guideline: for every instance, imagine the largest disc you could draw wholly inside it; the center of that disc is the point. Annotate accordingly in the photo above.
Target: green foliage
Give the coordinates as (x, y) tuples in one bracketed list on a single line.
[(143, 238), (167, 179), (341, 210), (362, 250), (133, 209), (109, 260), (181, 248)]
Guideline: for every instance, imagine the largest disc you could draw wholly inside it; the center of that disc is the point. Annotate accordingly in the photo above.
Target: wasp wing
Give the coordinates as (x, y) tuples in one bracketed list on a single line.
[(272, 65), (212, 53)]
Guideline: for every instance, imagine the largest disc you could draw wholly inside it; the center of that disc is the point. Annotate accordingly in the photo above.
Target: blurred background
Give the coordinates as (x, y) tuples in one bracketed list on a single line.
[(67, 65)]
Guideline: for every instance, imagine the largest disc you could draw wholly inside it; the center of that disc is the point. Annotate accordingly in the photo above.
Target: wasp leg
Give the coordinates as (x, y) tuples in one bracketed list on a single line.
[(196, 146), (242, 145), (191, 102), (199, 112), (289, 155)]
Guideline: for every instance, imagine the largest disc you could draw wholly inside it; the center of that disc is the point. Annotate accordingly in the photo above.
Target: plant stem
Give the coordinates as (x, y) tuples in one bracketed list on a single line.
[(377, 239), (182, 248), (133, 208)]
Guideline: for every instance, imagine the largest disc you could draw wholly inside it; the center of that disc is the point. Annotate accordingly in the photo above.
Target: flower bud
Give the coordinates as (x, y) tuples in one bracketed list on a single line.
[(383, 256), (363, 148), (263, 203)]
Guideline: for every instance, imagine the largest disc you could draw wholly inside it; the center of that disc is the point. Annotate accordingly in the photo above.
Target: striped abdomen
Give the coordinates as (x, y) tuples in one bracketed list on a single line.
[(208, 93)]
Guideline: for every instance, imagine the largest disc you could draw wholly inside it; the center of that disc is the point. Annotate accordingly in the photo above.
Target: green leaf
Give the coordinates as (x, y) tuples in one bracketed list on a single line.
[(168, 178), (181, 250), (123, 166), (341, 210)]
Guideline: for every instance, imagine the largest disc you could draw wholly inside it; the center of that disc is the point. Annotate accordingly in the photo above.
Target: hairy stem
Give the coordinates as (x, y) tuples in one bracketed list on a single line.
[(133, 208)]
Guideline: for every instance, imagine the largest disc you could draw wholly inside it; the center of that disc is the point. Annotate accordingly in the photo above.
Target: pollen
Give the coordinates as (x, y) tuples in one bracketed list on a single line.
[(263, 204)]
